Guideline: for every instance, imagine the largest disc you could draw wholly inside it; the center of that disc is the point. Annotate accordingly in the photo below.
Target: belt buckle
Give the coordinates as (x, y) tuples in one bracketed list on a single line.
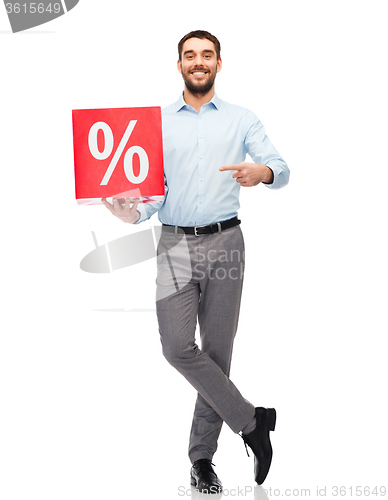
[(195, 230)]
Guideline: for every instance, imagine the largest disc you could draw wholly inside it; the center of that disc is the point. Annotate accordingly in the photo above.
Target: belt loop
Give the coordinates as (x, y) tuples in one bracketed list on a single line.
[(176, 230), (219, 226)]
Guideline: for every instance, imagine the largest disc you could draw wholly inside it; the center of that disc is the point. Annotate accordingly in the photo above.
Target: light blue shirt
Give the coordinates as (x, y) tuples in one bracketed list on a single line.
[(195, 146)]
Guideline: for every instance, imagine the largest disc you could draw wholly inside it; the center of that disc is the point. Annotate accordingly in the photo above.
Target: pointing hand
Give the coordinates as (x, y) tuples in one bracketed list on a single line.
[(250, 174)]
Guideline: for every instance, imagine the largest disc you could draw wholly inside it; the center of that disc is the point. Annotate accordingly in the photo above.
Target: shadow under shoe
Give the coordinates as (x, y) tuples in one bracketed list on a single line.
[(259, 442), (204, 478)]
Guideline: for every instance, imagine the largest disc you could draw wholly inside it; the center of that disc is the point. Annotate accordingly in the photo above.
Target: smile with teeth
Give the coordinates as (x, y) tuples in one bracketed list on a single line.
[(199, 73)]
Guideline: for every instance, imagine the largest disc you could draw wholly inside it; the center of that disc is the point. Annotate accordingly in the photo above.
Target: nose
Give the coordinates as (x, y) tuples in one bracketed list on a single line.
[(199, 60)]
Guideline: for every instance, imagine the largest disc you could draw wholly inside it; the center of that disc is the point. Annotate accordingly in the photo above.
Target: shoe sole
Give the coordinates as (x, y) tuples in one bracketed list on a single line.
[(271, 423), (271, 415)]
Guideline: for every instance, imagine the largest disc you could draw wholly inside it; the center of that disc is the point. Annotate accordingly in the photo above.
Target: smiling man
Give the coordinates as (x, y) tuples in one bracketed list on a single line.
[(205, 143), (199, 73)]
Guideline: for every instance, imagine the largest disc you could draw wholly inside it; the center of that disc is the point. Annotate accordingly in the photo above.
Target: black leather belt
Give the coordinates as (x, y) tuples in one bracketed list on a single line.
[(210, 229)]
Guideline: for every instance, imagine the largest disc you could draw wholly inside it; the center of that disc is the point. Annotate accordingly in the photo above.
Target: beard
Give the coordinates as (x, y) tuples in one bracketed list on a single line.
[(199, 88)]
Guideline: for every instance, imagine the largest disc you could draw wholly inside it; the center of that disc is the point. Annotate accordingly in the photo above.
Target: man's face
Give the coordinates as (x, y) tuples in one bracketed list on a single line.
[(199, 65)]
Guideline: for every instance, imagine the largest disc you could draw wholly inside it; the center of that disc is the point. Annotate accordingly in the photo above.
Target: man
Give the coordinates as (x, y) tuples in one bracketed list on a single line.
[(205, 142)]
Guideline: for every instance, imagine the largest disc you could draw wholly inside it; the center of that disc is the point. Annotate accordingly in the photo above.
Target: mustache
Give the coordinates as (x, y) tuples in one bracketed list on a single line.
[(199, 68)]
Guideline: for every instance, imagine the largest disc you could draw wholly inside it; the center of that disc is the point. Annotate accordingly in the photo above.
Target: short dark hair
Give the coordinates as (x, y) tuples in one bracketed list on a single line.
[(200, 34)]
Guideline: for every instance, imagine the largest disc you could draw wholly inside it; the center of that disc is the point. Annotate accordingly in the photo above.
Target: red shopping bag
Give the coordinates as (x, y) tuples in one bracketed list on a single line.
[(118, 153)]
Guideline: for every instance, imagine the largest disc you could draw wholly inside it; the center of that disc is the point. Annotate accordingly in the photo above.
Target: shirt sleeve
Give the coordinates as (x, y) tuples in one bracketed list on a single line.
[(262, 151), (148, 209)]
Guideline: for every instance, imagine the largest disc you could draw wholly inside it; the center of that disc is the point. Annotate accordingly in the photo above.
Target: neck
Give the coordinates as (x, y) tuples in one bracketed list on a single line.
[(196, 101)]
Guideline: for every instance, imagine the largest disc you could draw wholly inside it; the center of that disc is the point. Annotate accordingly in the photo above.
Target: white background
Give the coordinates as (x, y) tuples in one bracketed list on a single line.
[(90, 409)]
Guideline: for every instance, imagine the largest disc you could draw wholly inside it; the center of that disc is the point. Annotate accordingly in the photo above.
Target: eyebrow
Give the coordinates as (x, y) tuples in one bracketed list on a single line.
[(203, 51)]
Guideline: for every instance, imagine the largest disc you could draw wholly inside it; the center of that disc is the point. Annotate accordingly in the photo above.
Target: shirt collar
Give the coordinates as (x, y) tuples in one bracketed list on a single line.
[(215, 101)]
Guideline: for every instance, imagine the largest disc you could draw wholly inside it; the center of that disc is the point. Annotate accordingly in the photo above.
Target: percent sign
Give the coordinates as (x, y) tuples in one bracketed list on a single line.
[(108, 148)]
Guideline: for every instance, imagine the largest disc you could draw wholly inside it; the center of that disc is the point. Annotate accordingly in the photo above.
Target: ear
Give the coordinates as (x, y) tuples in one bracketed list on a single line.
[(219, 64), (179, 65)]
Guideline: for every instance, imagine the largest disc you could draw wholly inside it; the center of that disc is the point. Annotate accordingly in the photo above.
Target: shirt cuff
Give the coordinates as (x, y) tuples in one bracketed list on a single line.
[(143, 213), (281, 175)]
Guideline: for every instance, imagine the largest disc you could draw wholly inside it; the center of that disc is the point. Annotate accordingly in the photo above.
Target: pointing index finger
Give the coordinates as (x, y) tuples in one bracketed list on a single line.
[(230, 167)]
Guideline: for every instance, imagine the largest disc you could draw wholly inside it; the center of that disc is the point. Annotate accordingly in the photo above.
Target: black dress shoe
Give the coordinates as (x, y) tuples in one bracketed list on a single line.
[(259, 442), (204, 478)]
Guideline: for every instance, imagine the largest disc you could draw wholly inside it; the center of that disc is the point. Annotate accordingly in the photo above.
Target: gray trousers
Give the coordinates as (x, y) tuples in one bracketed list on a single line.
[(201, 277)]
